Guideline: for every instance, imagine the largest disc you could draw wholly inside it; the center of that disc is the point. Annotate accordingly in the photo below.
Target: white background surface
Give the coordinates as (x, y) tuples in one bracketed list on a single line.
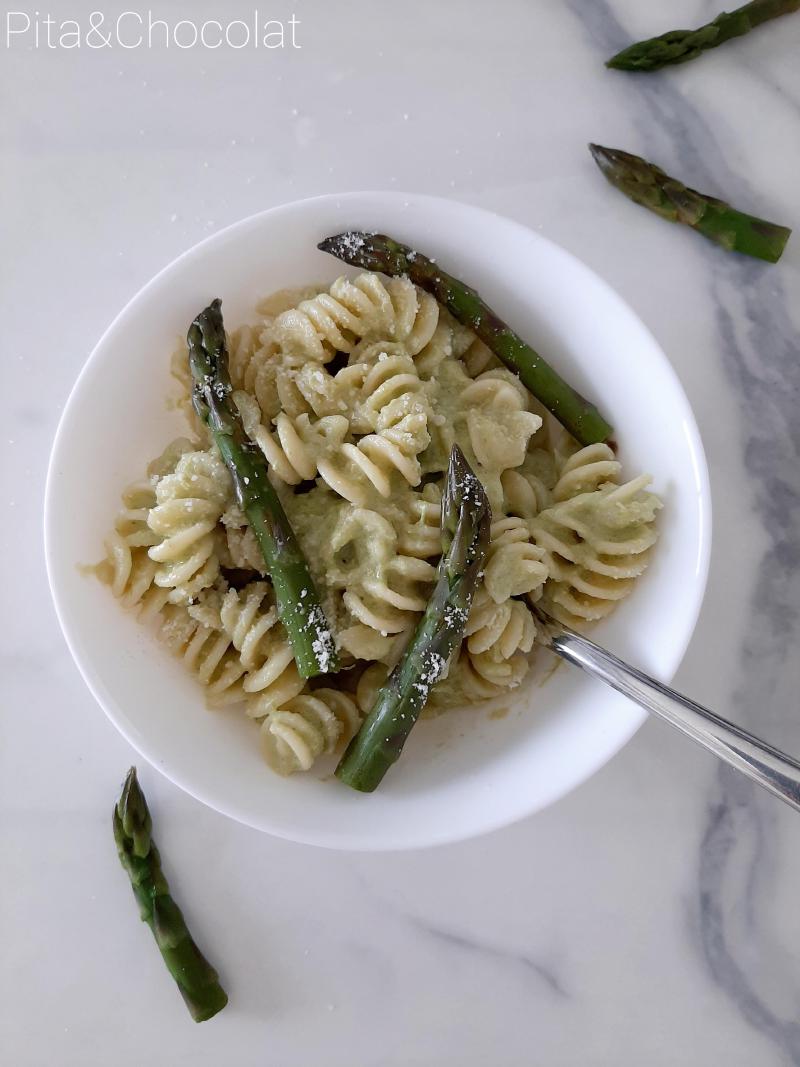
[(649, 918)]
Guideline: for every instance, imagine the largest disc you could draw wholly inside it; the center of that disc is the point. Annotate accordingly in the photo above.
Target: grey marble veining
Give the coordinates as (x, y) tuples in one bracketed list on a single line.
[(461, 943), (650, 917)]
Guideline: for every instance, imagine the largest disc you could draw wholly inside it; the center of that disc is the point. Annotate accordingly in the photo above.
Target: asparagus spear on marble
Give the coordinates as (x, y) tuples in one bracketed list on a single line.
[(195, 977), (466, 519), (375, 251), (648, 185), (679, 46), (297, 600)]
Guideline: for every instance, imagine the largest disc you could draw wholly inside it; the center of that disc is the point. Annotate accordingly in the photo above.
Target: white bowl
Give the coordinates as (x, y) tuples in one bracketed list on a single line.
[(464, 773)]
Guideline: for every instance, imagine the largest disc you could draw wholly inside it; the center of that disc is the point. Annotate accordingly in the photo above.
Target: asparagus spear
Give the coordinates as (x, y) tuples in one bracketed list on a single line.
[(648, 185), (375, 251), (678, 46), (296, 596), (196, 978), (466, 518)]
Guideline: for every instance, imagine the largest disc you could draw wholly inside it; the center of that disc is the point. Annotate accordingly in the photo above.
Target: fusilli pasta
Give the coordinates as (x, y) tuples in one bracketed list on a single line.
[(395, 406), (498, 639), (586, 470), (195, 635), (514, 564), (251, 624), (189, 503), (307, 727), (128, 568), (419, 527), (368, 307), (595, 545)]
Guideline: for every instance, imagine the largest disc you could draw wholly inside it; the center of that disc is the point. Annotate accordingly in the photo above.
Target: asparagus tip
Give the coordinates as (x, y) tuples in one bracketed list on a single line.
[(346, 245), (133, 815), (605, 158), (462, 484), (458, 465), (131, 797)]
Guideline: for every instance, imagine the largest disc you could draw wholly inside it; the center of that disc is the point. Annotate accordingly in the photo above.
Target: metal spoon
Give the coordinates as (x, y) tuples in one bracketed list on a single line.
[(771, 768)]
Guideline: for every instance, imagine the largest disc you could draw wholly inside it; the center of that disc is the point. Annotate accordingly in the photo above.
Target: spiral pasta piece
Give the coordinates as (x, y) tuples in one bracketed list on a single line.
[(296, 398), (376, 614), (524, 494), (419, 532), (498, 422), (251, 623), (294, 449), (352, 311), (596, 544), (254, 368), (127, 567), (505, 628), (404, 584), (336, 320), (396, 406), (299, 449), (383, 590), (514, 563), (463, 685), (392, 602), (255, 358), (499, 672), (586, 470), (254, 355), (312, 390), (308, 726), (194, 634), (190, 503), (498, 638), (416, 315)]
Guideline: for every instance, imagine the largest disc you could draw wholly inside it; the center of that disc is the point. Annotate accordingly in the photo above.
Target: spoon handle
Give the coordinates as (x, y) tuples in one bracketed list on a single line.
[(771, 768)]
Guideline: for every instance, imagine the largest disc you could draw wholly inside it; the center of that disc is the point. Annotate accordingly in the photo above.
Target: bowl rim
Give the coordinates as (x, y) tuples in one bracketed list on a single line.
[(341, 842)]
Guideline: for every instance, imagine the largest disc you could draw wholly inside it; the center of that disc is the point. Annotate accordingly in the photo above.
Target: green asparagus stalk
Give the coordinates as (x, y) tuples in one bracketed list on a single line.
[(196, 978), (648, 185), (679, 46), (466, 519), (297, 600), (375, 251)]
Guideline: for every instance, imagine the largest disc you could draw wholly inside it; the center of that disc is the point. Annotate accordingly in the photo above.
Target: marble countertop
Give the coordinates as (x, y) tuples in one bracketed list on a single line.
[(649, 918)]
